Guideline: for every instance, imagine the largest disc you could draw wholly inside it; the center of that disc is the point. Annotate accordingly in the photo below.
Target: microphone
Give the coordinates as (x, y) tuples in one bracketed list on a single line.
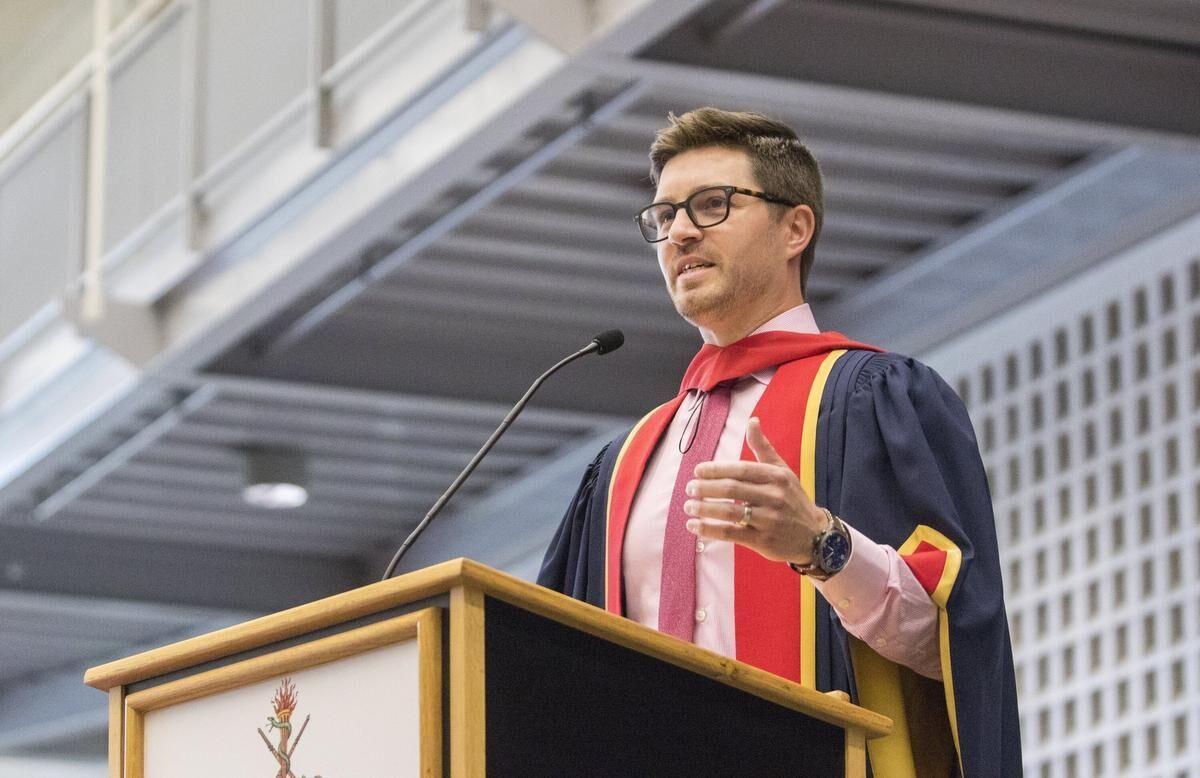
[(607, 341), (604, 343)]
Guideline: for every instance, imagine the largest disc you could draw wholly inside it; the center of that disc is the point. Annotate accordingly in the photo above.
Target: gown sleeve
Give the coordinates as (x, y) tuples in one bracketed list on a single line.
[(912, 478), (574, 560)]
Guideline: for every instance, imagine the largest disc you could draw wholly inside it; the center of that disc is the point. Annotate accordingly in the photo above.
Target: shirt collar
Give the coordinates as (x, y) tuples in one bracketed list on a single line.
[(799, 320)]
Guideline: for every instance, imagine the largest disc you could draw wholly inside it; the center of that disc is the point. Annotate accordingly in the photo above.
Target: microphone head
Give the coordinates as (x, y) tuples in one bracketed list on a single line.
[(610, 340)]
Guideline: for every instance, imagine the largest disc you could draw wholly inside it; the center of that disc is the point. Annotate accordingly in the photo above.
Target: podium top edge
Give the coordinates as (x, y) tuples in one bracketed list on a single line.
[(299, 620), (446, 576)]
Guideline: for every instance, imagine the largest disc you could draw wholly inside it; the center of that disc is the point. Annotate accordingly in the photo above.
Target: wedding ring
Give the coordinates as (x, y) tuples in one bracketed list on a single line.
[(747, 514)]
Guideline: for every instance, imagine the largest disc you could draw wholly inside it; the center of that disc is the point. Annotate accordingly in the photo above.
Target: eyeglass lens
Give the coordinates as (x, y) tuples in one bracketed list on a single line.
[(706, 208)]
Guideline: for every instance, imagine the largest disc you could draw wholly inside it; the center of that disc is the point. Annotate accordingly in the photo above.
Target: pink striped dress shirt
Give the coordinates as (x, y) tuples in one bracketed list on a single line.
[(876, 596)]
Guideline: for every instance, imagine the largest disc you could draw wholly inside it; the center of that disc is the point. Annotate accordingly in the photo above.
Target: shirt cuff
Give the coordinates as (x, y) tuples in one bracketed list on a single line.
[(879, 600), (854, 592)]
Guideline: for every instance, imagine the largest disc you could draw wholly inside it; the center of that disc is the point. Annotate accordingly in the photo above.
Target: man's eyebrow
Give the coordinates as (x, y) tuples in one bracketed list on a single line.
[(689, 194)]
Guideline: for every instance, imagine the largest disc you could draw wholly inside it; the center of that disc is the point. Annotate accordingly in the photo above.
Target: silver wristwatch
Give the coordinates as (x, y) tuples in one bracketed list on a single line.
[(831, 550)]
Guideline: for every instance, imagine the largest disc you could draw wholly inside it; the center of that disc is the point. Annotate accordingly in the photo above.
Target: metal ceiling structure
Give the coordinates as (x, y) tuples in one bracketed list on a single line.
[(974, 155)]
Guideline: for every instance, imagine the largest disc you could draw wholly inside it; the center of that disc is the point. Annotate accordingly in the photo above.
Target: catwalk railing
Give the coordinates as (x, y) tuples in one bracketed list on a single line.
[(188, 122)]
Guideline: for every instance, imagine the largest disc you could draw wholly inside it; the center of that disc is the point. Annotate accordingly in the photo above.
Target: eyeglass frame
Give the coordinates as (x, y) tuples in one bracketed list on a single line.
[(685, 204)]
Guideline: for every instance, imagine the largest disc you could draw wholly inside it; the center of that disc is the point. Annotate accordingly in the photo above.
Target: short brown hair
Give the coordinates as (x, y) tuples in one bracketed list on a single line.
[(780, 162)]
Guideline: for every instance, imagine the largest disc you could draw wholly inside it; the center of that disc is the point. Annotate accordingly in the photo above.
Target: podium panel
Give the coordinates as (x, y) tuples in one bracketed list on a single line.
[(319, 708), (563, 702)]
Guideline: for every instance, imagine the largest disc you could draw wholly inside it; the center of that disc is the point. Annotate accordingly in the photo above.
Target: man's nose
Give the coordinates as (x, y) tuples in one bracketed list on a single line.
[(683, 229)]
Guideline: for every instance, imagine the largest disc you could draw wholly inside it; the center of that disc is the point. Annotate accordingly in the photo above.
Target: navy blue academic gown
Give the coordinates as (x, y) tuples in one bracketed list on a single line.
[(896, 457)]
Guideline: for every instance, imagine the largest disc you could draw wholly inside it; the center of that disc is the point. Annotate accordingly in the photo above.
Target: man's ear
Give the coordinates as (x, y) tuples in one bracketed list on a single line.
[(800, 223)]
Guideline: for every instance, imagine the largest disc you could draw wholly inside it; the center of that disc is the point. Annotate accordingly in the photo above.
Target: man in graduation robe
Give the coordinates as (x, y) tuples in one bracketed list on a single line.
[(806, 504)]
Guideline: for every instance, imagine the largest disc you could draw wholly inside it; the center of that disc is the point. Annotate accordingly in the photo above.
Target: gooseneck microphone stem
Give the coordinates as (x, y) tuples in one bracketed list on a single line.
[(602, 344)]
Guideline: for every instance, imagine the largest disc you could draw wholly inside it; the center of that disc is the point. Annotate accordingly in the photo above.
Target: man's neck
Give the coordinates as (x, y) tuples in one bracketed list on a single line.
[(723, 336)]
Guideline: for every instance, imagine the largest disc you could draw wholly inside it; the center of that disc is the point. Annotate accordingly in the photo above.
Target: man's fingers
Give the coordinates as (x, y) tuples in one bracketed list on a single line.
[(762, 448), (733, 489), (720, 511), (752, 472), (716, 530)]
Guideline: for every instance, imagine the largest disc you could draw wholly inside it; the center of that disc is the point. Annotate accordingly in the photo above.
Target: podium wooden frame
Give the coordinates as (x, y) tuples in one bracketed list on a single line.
[(425, 626), (408, 607)]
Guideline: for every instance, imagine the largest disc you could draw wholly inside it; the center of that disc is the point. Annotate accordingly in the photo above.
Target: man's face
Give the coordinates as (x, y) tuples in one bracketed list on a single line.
[(721, 275)]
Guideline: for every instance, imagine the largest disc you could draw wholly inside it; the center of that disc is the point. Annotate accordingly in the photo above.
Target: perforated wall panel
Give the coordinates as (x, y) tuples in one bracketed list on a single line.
[(1086, 404)]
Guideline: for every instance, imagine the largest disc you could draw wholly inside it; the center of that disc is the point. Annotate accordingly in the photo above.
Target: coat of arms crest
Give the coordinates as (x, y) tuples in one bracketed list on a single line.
[(284, 703)]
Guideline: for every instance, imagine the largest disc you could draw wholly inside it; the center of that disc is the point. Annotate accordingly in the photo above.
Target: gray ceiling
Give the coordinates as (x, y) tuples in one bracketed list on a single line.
[(974, 154), (556, 258)]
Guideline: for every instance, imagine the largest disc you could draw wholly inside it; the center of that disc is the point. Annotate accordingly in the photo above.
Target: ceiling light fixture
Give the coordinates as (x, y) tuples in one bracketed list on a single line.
[(275, 479)]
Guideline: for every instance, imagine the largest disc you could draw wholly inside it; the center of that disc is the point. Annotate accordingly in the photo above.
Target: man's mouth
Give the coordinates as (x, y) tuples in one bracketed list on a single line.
[(691, 267)]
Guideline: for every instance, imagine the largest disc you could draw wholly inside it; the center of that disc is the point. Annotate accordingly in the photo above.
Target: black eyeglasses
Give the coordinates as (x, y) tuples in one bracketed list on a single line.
[(706, 208)]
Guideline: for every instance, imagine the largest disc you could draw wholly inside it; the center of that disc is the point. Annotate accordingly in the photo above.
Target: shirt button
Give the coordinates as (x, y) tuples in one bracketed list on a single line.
[(699, 546), (701, 615), (881, 642), (843, 604)]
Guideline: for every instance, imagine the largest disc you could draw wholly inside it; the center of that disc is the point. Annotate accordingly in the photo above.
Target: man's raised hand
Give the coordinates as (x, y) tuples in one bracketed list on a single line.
[(783, 520)]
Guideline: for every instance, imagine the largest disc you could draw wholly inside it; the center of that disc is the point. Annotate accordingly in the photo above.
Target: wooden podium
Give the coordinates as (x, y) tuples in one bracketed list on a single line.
[(462, 666)]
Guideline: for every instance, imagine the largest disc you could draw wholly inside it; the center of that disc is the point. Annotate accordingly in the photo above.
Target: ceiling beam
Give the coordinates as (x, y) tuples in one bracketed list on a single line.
[(382, 305), (55, 709), (1025, 247), (955, 57), (511, 526), (689, 85), (437, 409), (267, 418), (314, 445), (113, 459), (60, 562), (557, 188), (928, 197), (48, 710), (372, 513), (634, 131), (448, 221), (351, 466), (560, 285), (604, 228), (882, 227), (1175, 22), (369, 504), (507, 252)]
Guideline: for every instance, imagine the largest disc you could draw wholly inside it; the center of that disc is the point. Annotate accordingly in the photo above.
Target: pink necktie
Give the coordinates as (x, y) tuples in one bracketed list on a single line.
[(677, 597)]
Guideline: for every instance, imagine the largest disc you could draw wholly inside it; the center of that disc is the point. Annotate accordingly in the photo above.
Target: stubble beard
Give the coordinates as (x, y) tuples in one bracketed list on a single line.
[(721, 298), (704, 305), (700, 306)]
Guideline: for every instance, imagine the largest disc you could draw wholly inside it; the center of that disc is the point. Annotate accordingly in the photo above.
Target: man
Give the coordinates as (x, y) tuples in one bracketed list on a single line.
[(795, 462)]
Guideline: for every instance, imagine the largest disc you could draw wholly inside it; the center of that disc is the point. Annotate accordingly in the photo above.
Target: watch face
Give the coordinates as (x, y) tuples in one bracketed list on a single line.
[(835, 552)]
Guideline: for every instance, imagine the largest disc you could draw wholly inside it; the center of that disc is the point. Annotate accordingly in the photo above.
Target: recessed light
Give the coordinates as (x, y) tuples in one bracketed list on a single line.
[(275, 478), (275, 495)]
